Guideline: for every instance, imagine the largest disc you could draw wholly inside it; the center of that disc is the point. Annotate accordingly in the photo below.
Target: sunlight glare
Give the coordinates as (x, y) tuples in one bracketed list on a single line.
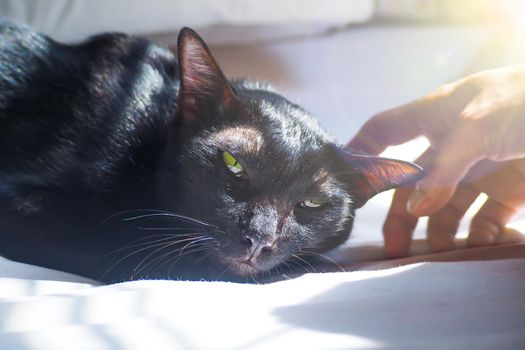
[(409, 151), (514, 13), (474, 208)]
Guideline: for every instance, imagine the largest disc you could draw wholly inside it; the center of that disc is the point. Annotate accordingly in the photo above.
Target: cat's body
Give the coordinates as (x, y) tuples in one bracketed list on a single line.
[(116, 162), (80, 128)]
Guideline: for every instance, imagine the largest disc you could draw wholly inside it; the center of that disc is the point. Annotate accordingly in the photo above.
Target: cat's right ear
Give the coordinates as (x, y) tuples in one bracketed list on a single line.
[(204, 88), (371, 175)]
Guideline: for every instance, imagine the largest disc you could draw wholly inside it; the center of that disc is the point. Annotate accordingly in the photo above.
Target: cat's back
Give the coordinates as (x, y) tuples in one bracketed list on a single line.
[(19, 43), (28, 57), (76, 113), (21, 49)]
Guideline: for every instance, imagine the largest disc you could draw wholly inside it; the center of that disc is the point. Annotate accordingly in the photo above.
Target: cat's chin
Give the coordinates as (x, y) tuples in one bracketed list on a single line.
[(243, 267)]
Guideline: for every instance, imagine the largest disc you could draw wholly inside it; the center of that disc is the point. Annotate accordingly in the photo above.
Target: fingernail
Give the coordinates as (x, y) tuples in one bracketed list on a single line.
[(416, 201)]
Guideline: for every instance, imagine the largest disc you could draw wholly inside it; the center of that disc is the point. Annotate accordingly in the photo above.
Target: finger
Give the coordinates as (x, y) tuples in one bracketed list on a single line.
[(388, 128), (399, 225), (443, 225), (489, 222), (401, 124), (510, 235), (450, 165), (503, 182)]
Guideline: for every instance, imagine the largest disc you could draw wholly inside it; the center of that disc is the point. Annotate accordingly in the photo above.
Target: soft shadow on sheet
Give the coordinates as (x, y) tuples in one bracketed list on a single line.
[(424, 306)]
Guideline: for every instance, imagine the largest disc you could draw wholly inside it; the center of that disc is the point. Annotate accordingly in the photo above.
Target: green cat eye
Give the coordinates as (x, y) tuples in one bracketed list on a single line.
[(312, 203), (232, 164)]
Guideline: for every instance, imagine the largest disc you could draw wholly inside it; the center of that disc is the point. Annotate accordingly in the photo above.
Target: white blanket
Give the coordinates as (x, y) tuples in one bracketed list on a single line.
[(467, 305)]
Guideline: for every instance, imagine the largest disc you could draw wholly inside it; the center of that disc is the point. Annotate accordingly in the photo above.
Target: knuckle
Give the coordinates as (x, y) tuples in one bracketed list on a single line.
[(476, 79), (449, 214), (441, 225), (443, 90), (485, 223)]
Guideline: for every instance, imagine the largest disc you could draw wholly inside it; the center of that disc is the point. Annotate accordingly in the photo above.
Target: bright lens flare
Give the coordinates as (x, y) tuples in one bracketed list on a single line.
[(514, 13)]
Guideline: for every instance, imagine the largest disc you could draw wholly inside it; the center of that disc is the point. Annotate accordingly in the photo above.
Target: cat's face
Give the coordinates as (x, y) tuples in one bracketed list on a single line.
[(261, 170), (265, 174)]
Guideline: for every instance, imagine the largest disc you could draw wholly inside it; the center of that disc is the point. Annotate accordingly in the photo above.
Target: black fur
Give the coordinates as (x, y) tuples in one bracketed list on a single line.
[(111, 164)]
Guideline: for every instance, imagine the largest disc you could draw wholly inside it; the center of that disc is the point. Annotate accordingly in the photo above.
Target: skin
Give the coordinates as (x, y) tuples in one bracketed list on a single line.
[(476, 130)]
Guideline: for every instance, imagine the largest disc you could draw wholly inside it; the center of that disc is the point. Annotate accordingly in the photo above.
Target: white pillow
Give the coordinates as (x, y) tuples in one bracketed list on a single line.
[(70, 20)]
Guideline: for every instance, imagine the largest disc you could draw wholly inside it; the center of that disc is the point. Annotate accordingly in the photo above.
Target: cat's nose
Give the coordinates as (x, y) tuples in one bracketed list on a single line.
[(258, 246)]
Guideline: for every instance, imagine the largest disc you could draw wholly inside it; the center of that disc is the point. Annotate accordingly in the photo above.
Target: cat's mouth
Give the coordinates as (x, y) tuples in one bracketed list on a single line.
[(247, 267), (247, 263), (243, 267)]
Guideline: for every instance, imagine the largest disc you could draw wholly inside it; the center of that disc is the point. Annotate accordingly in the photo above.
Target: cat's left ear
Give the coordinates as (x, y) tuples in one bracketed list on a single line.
[(376, 174), (204, 88)]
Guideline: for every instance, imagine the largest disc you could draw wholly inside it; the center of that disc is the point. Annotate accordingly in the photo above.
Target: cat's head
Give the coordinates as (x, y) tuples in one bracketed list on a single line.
[(260, 168)]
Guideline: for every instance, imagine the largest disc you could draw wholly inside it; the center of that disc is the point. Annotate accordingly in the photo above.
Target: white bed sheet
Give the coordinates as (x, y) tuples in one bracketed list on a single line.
[(478, 305)]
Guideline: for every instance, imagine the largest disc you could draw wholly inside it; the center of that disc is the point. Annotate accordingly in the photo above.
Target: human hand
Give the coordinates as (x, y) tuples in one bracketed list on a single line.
[(476, 129)]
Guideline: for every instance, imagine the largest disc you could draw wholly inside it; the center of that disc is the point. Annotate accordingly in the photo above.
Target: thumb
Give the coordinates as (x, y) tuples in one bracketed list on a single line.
[(451, 163)]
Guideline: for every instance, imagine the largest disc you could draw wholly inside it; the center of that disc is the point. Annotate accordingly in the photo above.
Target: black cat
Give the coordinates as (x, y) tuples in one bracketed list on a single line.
[(117, 162)]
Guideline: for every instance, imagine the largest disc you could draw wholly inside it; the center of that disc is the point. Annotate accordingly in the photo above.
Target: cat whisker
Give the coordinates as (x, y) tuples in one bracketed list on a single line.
[(148, 246), (194, 242), (305, 262), (141, 250), (277, 269), (283, 275), (204, 256), (324, 257), (284, 265), (200, 246), (297, 265), (287, 265), (148, 240), (113, 216), (142, 264), (163, 259), (158, 260), (175, 229), (164, 246), (222, 273), (171, 215), (196, 248), (189, 234)]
